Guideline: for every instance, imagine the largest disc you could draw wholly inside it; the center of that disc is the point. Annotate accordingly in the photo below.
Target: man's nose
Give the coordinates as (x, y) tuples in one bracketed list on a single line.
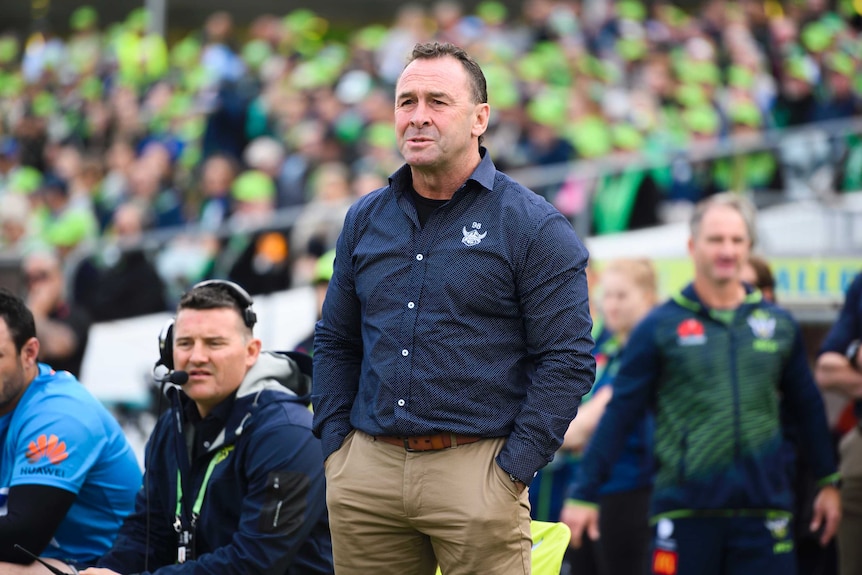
[(420, 115)]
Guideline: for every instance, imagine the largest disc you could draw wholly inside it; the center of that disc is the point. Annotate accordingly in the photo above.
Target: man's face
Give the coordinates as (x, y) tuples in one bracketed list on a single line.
[(721, 247), (13, 379), (436, 121), (216, 349)]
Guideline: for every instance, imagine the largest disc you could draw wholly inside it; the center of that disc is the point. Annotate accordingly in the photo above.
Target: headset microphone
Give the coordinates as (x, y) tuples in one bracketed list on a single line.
[(175, 377)]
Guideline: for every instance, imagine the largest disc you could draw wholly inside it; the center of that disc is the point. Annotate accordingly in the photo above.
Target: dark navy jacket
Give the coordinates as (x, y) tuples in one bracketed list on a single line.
[(264, 509), (715, 384)]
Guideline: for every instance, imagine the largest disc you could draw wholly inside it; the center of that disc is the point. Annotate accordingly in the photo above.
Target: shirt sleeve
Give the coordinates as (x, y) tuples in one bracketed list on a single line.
[(552, 286), (847, 327), (802, 396), (56, 445), (634, 385), (33, 513), (337, 353)]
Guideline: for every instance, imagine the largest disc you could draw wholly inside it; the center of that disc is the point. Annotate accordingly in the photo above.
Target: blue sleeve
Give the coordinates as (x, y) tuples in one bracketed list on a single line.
[(337, 351), (802, 397), (57, 443), (640, 365), (849, 324), (552, 286)]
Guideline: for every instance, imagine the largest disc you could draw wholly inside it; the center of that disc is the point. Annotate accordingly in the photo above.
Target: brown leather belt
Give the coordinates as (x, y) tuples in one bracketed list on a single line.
[(428, 442)]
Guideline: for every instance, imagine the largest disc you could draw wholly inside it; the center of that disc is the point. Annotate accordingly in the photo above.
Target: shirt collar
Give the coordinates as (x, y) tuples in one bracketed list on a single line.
[(483, 175)]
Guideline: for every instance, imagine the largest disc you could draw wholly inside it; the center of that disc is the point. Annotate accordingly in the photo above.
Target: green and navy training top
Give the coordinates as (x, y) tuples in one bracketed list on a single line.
[(715, 381)]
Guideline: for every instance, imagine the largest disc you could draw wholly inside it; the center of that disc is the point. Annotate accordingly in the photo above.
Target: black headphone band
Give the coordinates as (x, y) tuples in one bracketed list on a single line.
[(238, 293), (242, 297)]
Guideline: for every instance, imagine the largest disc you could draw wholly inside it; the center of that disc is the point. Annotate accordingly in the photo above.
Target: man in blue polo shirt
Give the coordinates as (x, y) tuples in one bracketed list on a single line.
[(68, 476)]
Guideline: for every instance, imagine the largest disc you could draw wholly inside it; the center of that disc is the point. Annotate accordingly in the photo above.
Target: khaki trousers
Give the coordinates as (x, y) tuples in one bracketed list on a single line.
[(850, 529), (400, 513)]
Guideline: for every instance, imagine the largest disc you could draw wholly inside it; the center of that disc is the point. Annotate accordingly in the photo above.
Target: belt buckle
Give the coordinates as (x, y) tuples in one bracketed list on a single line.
[(407, 448)]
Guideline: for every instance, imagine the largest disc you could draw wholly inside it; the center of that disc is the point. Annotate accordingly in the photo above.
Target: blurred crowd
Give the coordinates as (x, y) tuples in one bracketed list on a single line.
[(111, 132)]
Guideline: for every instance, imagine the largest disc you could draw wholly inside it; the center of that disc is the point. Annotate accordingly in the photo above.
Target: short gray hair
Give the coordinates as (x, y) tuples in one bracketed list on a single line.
[(733, 200)]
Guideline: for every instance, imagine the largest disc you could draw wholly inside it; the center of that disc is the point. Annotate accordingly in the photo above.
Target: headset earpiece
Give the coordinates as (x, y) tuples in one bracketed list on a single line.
[(166, 345)]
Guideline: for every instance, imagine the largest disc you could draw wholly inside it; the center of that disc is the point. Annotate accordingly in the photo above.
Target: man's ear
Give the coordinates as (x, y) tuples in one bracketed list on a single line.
[(30, 352)]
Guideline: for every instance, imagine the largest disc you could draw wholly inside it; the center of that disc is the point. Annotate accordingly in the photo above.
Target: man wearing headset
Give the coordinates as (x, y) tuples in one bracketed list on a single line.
[(234, 480)]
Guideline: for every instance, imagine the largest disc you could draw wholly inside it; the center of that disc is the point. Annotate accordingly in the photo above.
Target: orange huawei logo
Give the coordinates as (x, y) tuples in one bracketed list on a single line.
[(50, 447)]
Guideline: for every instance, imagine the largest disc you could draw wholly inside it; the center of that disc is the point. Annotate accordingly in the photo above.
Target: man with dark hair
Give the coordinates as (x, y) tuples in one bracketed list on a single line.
[(454, 345), (68, 476), (234, 481)]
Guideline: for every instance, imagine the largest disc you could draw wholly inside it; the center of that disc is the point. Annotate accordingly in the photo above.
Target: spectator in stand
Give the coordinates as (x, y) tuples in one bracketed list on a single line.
[(124, 282), (217, 177), (62, 325), (318, 224), (320, 281)]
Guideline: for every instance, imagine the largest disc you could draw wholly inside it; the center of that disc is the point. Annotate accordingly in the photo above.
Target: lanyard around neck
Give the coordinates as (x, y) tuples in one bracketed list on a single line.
[(199, 500)]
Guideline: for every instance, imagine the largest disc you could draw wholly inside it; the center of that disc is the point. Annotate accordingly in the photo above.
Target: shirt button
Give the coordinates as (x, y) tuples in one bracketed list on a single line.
[(207, 444), (411, 305), (419, 257), (405, 353), (401, 403)]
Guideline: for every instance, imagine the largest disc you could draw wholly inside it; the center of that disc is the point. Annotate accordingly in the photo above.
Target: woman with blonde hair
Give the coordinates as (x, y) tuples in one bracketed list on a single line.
[(628, 293)]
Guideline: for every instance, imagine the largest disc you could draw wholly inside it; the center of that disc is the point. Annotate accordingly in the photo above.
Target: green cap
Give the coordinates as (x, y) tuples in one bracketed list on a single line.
[(253, 186), (25, 180), (502, 87), (631, 49), (138, 20), (590, 136), (71, 228), (255, 52), (549, 108), (381, 135), (492, 12), (186, 53), (371, 37), (83, 18), (631, 10), (44, 104), (8, 49), (702, 120), (627, 137), (740, 77), (745, 113), (690, 95), (90, 88), (840, 63), (816, 36), (796, 67), (324, 267)]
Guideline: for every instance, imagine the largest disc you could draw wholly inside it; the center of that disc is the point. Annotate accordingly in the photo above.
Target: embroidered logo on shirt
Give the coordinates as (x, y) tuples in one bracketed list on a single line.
[(473, 237), (691, 332), (48, 447), (763, 327), (762, 324)]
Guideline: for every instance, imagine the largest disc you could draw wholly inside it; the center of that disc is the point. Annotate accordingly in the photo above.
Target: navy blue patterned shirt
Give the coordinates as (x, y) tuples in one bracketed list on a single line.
[(476, 323)]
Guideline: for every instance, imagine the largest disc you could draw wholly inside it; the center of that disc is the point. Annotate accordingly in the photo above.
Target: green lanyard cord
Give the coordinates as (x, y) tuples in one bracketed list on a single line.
[(199, 500)]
